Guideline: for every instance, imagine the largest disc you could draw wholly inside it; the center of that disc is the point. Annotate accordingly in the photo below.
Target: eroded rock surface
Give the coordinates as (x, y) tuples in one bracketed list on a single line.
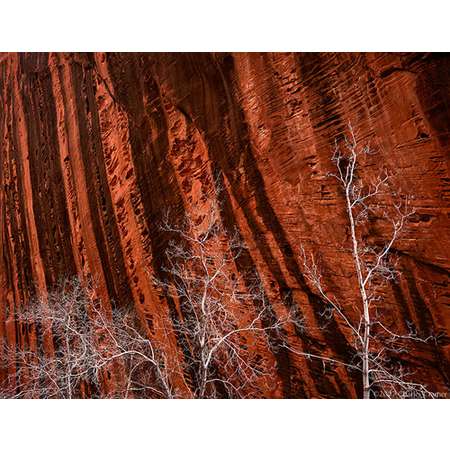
[(94, 148)]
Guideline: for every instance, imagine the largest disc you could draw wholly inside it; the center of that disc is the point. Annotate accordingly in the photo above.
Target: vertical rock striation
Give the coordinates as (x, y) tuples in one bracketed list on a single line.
[(94, 148)]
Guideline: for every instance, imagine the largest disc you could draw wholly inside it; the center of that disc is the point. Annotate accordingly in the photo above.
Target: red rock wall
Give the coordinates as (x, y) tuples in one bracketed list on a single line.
[(95, 147)]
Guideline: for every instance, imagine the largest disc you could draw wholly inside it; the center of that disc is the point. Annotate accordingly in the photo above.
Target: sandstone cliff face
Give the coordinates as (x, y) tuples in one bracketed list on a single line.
[(94, 148)]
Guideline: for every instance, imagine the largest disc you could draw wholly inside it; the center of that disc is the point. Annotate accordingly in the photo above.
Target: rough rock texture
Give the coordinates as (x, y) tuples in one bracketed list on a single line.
[(95, 147)]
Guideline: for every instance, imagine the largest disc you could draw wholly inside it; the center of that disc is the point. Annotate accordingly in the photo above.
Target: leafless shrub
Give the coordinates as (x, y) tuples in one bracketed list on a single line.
[(88, 344)]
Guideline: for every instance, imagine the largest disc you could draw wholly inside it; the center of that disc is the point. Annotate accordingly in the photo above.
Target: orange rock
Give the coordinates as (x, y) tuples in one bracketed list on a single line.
[(95, 148)]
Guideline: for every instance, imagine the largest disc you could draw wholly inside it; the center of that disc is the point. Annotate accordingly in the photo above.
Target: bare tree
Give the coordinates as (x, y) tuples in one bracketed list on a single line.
[(375, 345), (88, 346), (143, 362), (59, 369), (217, 319)]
